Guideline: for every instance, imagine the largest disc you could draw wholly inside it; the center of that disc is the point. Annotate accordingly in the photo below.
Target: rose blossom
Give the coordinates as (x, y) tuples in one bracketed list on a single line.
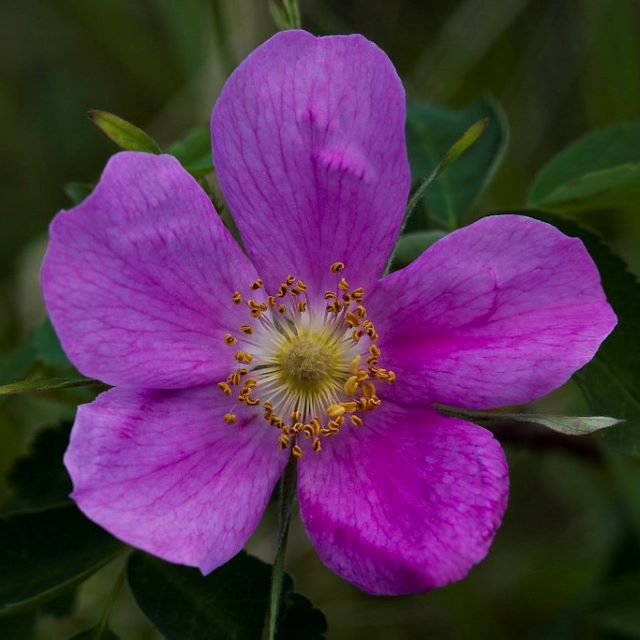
[(225, 364)]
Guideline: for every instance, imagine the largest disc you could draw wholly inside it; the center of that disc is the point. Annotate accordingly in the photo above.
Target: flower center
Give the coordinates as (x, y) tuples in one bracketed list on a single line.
[(301, 361), (307, 363)]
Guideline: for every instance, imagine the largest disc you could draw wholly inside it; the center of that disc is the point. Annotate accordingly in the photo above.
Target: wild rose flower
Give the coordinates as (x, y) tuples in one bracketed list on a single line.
[(226, 365)]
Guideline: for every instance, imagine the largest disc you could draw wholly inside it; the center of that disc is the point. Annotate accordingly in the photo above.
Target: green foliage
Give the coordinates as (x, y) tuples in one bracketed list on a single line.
[(437, 135), (611, 381), (599, 171), (126, 135), (194, 151), (42, 552), (567, 425), (230, 603), (40, 479), (44, 384), (411, 245), (286, 16)]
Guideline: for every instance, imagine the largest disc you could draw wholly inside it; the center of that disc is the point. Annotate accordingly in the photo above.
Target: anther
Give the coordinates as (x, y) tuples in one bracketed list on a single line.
[(330, 295), (296, 451), (246, 328), (351, 385), (316, 446), (225, 388), (302, 306), (356, 420), (343, 284), (236, 297), (283, 442), (337, 267), (271, 301), (352, 319), (229, 339), (349, 407), (290, 279), (257, 284), (302, 285), (229, 418), (282, 308), (243, 356), (335, 410)]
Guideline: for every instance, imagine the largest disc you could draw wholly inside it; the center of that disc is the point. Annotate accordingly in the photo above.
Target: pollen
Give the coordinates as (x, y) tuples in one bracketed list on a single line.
[(309, 361)]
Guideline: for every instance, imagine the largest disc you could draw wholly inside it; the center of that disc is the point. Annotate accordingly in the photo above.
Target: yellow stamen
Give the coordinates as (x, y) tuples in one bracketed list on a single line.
[(335, 410), (337, 267), (229, 418), (229, 339)]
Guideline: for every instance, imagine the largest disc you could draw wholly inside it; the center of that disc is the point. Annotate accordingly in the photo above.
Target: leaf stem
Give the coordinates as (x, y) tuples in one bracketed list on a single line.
[(287, 501)]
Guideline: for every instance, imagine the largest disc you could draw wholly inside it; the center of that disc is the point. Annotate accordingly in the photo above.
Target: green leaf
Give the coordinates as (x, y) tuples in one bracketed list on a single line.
[(435, 132), (229, 603), (77, 191), (48, 349), (568, 425), (411, 245), (599, 171), (40, 479), (42, 552), (45, 384), (126, 135), (194, 151), (611, 381)]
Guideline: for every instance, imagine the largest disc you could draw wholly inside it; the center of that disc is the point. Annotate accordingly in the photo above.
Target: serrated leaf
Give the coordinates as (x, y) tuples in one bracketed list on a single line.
[(43, 552), (411, 245), (45, 384), (40, 478), (126, 135), (599, 171), (432, 132), (229, 603), (611, 381), (567, 425)]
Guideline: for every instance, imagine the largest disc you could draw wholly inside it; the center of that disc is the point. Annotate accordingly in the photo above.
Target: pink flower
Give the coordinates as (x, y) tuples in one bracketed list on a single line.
[(220, 376)]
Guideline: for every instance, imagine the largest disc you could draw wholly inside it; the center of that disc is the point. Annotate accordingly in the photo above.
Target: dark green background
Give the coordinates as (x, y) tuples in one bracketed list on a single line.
[(559, 69)]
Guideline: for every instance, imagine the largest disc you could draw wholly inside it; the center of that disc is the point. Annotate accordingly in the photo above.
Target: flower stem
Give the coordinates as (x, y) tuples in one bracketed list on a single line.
[(287, 500)]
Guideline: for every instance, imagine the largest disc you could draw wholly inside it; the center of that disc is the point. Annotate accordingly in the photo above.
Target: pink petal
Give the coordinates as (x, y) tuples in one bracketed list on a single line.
[(163, 472), (138, 278), (500, 312), (308, 140), (407, 502)]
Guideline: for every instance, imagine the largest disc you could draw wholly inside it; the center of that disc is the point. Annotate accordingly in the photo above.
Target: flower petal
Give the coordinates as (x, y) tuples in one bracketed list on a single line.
[(309, 148), (163, 472), (138, 278), (407, 502), (500, 312)]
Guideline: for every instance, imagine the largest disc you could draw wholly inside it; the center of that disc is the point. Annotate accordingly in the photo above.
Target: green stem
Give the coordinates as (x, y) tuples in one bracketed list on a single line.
[(220, 34), (287, 500)]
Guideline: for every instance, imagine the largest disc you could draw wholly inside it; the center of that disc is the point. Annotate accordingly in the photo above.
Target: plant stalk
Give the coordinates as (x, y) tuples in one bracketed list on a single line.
[(287, 501)]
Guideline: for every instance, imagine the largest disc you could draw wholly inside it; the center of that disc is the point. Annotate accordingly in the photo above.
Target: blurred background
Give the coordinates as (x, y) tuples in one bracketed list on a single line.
[(558, 67)]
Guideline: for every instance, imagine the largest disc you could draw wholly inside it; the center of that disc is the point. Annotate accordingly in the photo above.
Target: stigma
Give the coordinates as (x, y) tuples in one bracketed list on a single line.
[(309, 364)]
